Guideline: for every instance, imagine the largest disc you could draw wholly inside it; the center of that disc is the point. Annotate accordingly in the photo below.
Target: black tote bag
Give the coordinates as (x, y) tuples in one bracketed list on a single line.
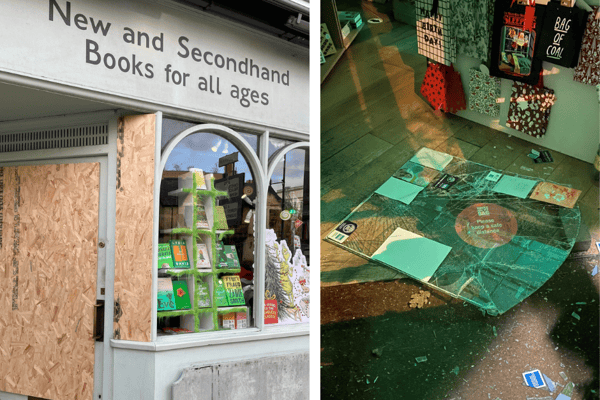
[(513, 48), (562, 33)]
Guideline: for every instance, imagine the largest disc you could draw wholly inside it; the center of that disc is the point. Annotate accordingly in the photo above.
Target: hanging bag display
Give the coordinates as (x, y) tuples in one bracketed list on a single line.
[(434, 36), (529, 109), (484, 92), (562, 31), (472, 26), (517, 30), (588, 68), (442, 87)]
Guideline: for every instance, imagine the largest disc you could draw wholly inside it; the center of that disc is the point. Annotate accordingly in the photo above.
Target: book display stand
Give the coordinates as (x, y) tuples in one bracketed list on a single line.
[(205, 312)]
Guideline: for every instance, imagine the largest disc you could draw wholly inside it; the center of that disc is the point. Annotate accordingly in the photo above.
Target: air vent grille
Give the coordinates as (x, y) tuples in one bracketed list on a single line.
[(81, 136)]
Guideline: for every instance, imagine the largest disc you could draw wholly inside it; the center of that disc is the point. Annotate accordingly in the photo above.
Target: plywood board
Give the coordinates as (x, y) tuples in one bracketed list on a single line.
[(133, 241), (48, 270)]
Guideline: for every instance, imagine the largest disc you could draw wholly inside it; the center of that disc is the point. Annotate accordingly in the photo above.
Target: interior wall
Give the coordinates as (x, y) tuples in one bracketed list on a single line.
[(573, 127), (133, 237)]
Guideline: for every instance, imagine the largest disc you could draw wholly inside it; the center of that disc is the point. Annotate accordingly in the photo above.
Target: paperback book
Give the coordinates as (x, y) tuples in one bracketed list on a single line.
[(227, 321), (165, 296), (203, 294), (182, 295), (233, 288), (203, 259), (231, 257), (221, 257), (220, 220), (201, 219), (165, 257), (221, 294), (180, 254)]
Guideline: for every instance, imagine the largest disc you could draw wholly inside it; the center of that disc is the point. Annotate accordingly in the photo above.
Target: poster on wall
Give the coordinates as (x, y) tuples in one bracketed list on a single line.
[(287, 283)]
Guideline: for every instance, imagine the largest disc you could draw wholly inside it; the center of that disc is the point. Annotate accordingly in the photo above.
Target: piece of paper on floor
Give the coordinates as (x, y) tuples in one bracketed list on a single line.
[(555, 194), (412, 254), (432, 159), (400, 190), (514, 186)]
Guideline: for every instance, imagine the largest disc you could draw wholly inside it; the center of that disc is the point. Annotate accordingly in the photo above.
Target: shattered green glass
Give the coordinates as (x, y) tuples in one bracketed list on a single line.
[(462, 238)]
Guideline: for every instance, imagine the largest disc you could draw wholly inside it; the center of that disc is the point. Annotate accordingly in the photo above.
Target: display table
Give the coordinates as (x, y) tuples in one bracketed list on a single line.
[(465, 229)]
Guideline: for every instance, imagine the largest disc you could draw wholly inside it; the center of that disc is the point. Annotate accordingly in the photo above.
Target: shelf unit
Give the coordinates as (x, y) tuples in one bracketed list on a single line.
[(329, 16), (199, 319)]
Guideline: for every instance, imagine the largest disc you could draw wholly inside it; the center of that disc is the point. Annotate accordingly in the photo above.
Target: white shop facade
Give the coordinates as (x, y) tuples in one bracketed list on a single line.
[(104, 112)]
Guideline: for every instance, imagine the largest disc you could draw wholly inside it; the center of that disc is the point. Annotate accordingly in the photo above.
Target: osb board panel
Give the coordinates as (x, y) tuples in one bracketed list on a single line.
[(133, 246), (48, 269)]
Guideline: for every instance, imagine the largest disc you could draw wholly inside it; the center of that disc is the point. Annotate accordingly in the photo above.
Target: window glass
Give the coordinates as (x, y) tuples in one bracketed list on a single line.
[(214, 289), (287, 271)]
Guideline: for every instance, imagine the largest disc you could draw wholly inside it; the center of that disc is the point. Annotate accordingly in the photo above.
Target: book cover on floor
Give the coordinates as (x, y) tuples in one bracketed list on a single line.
[(180, 254), (165, 257), (233, 288), (165, 296), (182, 295)]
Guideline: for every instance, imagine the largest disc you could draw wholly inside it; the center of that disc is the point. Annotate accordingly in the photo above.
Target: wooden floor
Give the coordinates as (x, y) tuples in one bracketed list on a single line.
[(373, 120)]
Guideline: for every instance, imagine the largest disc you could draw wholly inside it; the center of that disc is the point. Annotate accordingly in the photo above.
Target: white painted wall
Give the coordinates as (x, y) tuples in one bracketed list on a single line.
[(573, 128)]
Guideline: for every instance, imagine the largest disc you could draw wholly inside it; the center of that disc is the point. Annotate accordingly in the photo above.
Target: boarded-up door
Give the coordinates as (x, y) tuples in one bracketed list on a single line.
[(48, 272)]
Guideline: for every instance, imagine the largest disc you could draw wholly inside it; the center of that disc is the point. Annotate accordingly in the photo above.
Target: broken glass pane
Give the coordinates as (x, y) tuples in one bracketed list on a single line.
[(460, 236)]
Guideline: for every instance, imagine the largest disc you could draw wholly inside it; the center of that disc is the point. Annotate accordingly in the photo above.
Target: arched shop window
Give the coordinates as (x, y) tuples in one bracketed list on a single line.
[(287, 271), (206, 228), (245, 236)]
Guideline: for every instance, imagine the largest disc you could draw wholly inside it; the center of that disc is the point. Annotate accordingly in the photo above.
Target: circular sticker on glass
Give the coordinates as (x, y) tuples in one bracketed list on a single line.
[(486, 225), (285, 215), (348, 228)]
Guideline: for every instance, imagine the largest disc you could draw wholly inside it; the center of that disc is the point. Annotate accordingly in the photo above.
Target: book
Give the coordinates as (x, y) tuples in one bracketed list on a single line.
[(233, 289), (201, 219), (231, 257), (221, 294), (555, 194), (165, 296), (227, 321), (203, 294), (180, 254), (202, 259), (241, 320), (271, 316), (182, 295), (220, 220), (221, 261), (165, 257)]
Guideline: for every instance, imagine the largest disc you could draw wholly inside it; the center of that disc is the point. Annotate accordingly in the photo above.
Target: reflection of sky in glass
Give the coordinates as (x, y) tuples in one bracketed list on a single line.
[(203, 151)]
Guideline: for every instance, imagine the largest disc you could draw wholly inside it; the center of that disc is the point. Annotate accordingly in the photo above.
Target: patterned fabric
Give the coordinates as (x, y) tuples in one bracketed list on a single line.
[(434, 35), (588, 69), (529, 109), (484, 91), (472, 26), (442, 87)]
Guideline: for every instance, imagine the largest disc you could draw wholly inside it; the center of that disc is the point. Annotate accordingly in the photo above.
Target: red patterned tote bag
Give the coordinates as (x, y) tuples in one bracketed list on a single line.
[(588, 68), (529, 109), (442, 87), (484, 92), (434, 37)]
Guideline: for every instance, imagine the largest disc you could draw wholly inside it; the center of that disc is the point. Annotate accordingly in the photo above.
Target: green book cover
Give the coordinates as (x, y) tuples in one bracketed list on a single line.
[(166, 298), (182, 295), (221, 256), (220, 220), (180, 254), (231, 257), (221, 294), (203, 294), (165, 257), (233, 288)]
